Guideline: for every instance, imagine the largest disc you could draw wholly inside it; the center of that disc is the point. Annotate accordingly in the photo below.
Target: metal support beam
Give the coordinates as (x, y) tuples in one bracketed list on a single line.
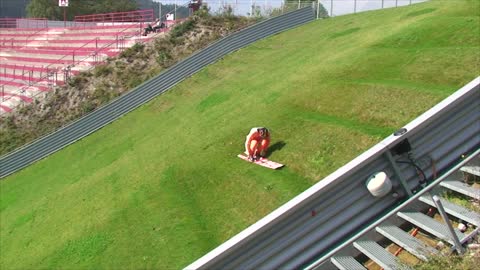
[(441, 210), (398, 173)]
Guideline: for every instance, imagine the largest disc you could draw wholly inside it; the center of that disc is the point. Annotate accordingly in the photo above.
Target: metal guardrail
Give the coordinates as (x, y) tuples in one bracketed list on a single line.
[(97, 119), (145, 15), (23, 23), (313, 223)]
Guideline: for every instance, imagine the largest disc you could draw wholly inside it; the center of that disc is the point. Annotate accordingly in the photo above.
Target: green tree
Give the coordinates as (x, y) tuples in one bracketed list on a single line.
[(148, 4), (44, 9), (105, 6)]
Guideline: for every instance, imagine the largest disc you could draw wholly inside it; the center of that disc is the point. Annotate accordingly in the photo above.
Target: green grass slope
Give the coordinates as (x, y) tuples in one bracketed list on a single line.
[(162, 186)]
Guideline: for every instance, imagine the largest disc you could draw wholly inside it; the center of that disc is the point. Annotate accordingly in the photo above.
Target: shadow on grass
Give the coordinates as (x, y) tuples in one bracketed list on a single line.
[(275, 147)]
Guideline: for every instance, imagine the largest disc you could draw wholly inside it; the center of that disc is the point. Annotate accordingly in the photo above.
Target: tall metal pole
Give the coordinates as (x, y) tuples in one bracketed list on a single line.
[(355, 6), (318, 8), (331, 8), (251, 8)]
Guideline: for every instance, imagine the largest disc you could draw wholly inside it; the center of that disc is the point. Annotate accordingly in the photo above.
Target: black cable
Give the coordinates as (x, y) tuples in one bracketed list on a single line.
[(416, 167), (422, 182)]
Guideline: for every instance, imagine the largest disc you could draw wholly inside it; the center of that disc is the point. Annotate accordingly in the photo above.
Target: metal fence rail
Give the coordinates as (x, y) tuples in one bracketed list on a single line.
[(314, 222), (82, 127)]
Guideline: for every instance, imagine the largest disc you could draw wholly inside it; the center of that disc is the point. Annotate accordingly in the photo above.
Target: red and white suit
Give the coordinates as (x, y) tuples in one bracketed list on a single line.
[(256, 144)]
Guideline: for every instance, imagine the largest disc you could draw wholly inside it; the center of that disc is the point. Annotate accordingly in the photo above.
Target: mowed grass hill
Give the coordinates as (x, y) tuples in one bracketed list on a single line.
[(162, 186)]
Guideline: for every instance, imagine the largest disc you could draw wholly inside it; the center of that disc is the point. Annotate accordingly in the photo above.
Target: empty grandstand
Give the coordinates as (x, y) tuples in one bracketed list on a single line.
[(35, 57)]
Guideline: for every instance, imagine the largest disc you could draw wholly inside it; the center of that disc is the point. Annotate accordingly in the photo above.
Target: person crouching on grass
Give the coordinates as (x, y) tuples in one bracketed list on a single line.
[(257, 143)]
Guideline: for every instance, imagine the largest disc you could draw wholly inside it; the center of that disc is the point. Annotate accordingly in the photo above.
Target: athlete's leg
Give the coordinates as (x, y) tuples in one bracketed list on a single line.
[(253, 147), (263, 147)]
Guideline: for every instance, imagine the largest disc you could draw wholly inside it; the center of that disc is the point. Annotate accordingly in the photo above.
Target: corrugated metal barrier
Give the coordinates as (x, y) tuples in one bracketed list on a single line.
[(316, 221), (82, 127)]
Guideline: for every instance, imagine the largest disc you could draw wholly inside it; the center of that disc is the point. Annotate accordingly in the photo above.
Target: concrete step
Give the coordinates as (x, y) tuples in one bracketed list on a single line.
[(378, 254), (430, 225), (475, 170), (406, 241), (455, 210), (347, 263), (462, 188)]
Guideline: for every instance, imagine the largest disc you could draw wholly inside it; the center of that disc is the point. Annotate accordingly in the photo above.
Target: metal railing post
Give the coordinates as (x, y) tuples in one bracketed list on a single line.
[(441, 210)]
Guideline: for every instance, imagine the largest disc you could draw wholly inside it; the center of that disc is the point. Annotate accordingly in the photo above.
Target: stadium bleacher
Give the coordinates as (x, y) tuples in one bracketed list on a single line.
[(34, 57)]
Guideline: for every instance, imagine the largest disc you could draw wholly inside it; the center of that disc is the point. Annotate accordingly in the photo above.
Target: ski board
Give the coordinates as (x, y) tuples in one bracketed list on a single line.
[(263, 162)]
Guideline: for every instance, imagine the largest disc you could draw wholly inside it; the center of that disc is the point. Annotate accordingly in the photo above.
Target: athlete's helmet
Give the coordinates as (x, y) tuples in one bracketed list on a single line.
[(263, 132)]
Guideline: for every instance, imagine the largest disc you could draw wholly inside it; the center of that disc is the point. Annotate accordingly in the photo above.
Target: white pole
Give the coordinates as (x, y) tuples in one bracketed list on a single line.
[(318, 8), (331, 8), (298, 4), (251, 8)]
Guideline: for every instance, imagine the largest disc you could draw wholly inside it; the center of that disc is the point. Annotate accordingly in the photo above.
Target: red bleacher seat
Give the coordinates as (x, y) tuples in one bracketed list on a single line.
[(30, 55)]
